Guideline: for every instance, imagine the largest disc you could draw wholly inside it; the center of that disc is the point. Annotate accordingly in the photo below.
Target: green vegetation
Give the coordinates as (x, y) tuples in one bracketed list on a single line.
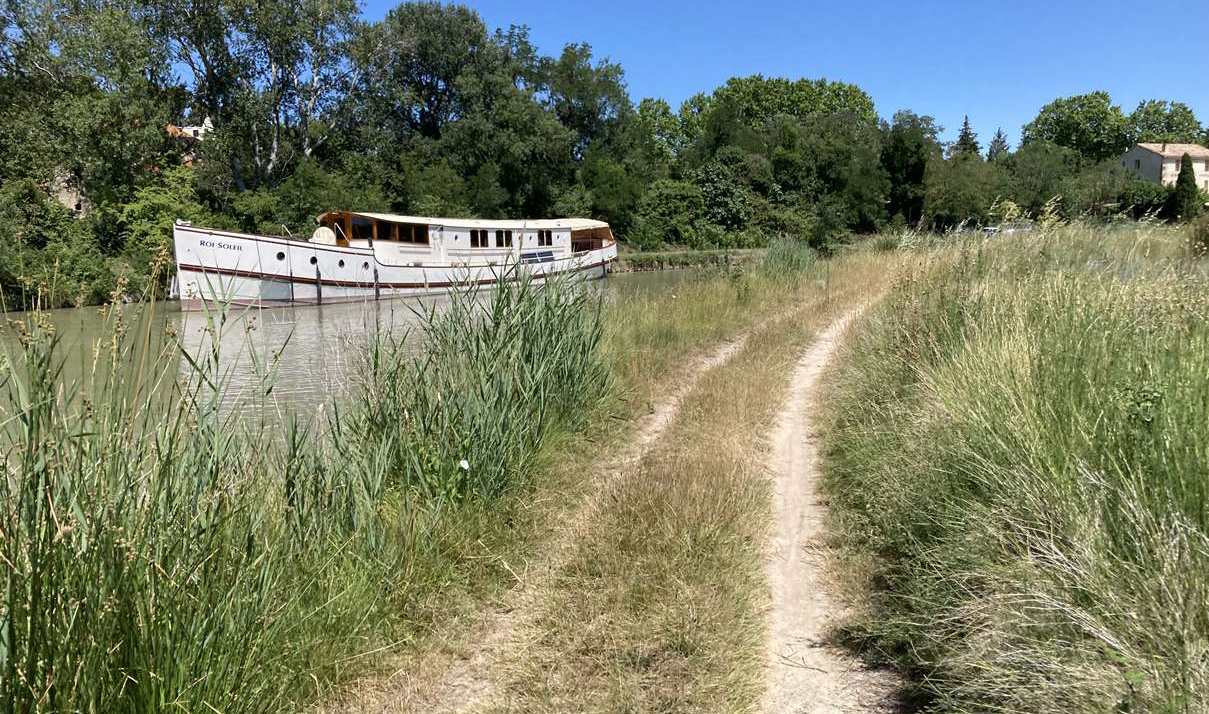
[(665, 259), (1186, 198), (657, 604), (428, 111), (1017, 454), (158, 554)]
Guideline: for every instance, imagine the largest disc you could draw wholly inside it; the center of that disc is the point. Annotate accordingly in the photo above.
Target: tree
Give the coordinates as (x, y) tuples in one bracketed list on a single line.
[(429, 47), (960, 189), (999, 147), (660, 133), (273, 78), (1035, 173), (588, 98), (908, 145), (1088, 123), (967, 141), (1159, 121), (1186, 198)]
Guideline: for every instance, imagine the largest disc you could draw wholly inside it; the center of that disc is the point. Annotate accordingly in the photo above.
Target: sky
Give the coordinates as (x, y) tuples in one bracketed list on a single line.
[(997, 62)]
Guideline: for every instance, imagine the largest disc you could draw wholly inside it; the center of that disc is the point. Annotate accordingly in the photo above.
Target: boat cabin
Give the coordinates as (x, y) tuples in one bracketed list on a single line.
[(405, 239), (354, 226)]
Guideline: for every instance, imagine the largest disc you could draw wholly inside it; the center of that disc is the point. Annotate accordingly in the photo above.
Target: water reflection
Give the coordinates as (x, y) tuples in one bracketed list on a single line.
[(272, 362)]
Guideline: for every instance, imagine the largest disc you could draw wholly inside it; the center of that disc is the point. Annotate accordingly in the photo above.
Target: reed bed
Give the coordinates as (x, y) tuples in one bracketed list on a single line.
[(1017, 450), (157, 553)]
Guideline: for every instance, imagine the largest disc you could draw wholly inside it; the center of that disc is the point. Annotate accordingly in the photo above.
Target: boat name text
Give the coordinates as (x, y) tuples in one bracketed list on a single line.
[(219, 244)]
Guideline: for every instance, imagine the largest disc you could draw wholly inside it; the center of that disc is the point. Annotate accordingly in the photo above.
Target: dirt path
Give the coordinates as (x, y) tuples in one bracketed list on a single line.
[(804, 673), (468, 683)]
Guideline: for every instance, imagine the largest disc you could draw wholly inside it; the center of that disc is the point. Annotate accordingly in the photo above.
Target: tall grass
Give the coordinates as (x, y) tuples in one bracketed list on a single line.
[(158, 554), (1020, 439)]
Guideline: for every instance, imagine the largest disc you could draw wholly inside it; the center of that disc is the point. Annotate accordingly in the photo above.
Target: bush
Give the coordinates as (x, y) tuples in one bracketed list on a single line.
[(670, 213)]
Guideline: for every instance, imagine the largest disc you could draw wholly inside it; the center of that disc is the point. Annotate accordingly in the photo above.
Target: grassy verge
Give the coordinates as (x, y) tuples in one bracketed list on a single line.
[(660, 606), (156, 554), (1017, 446), (668, 260)]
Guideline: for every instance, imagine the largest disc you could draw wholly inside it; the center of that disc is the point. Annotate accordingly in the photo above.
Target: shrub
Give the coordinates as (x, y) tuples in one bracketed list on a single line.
[(670, 212), (787, 258)]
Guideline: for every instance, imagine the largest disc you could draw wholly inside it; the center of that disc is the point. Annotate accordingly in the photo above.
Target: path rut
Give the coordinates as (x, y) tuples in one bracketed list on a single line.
[(805, 675), (468, 684)]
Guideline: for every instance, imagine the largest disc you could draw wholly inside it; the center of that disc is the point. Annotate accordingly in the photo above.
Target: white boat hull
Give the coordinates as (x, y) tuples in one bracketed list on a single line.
[(240, 269)]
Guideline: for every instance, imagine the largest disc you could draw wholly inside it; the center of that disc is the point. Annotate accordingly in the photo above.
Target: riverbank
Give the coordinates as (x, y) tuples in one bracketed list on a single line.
[(311, 562), (637, 262)]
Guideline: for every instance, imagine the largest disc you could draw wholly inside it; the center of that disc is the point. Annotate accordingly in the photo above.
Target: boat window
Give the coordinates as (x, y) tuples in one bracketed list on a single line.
[(387, 231), (503, 239), (363, 228), (419, 234), (478, 239), (545, 238)]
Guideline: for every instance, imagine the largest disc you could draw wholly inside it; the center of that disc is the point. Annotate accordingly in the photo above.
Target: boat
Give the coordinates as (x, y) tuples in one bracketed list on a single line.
[(357, 256)]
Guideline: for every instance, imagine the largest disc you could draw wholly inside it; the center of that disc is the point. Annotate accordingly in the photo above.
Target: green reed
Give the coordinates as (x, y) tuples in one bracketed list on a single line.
[(157, 552)]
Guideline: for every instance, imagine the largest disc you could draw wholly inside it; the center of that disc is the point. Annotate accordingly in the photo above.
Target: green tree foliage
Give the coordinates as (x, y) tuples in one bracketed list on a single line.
[(757, 98), (1088, 123), (670, 213), (1160, 121), (961, 190), (999, 147), (1186, 199), (967, 141), (908, 145), (273, 78), (588, 98), (1036, 172), (429, 111)]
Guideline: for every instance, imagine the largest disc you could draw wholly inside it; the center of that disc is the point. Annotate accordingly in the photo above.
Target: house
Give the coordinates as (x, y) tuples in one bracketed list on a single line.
[(1161, 162), (65, 189), (191, 134), (192, 131)]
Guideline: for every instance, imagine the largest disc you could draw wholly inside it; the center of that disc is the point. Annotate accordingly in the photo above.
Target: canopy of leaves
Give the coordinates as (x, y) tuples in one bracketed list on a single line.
[(430, 111), (1088, 123), (1161, 121)]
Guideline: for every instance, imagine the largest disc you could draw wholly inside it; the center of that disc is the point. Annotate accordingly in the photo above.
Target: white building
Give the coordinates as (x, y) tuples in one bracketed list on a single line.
[(1161, 162)]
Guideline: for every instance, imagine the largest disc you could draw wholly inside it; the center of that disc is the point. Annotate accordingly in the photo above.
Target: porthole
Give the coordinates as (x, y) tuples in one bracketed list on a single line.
[(365, 266), (314, 260), (280, 255), (341, 263)]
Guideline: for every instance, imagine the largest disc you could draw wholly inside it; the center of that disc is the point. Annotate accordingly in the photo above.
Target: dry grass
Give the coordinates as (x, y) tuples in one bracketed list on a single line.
[(660, 604), (1017, 453)]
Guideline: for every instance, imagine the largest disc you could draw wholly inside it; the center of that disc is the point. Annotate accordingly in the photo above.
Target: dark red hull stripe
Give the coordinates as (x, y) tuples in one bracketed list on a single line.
[(358, 284)]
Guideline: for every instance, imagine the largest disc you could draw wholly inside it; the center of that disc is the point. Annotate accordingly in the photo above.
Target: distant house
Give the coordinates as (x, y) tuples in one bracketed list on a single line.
[(191, 133), (66, 190), (1161, 162)]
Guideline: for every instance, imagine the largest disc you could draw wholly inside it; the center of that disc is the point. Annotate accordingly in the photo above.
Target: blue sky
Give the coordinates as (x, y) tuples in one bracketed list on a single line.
[(998, 62)]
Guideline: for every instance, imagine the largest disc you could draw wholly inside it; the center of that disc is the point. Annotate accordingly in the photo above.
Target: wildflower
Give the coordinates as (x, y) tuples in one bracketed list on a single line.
[(464, 465)]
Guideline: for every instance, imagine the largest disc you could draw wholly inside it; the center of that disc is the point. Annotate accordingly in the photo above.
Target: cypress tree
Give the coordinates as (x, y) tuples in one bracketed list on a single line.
[(999, 146), (1186, 196), (967, 141)]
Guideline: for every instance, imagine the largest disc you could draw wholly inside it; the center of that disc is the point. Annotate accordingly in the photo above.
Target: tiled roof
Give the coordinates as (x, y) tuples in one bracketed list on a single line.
[(1177, 151)]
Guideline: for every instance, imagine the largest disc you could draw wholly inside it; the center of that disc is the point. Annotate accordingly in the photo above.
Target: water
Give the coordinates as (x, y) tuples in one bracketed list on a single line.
[(278, 361)]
